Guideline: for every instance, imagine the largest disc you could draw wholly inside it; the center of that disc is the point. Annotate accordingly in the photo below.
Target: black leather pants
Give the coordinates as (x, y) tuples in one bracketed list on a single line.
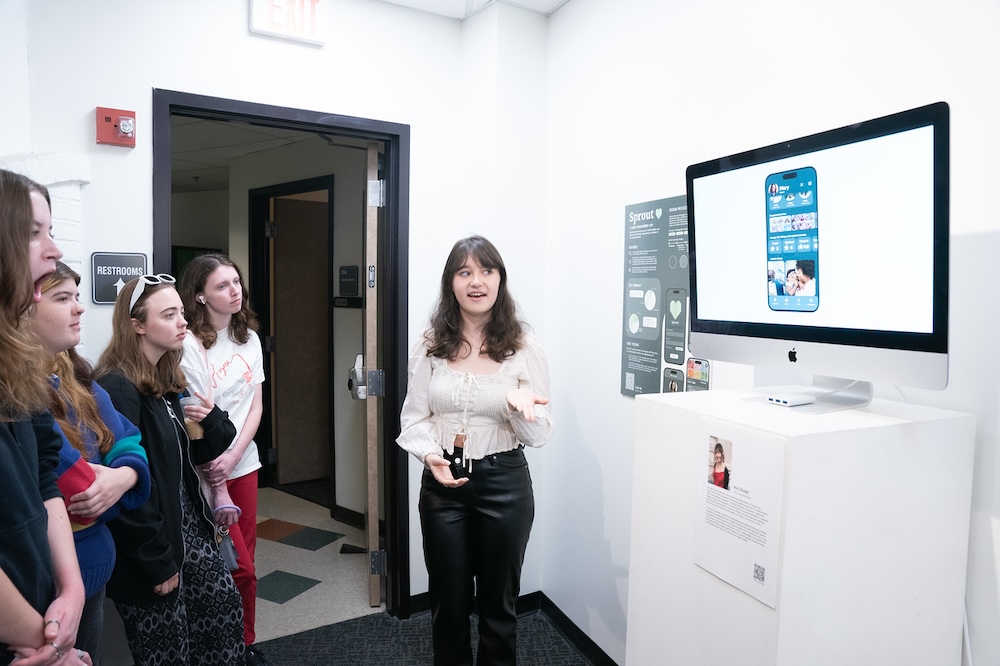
[(474, 542)]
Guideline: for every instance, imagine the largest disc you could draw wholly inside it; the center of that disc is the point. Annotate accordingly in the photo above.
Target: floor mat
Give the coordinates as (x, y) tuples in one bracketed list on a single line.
[(381, 640)]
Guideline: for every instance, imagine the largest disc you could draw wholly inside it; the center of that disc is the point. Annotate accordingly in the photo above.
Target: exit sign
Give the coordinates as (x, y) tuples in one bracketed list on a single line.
[(298, 20)]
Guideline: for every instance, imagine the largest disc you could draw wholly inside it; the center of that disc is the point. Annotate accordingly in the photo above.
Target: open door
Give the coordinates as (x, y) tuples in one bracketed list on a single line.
[(375, 378), (390, 243)]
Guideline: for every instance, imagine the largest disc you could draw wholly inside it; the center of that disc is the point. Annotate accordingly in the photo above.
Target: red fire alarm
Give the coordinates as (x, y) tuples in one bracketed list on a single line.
[(116, 126)]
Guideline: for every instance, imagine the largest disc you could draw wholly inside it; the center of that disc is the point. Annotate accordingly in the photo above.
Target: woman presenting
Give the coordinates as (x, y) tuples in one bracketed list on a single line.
[(478, 386)]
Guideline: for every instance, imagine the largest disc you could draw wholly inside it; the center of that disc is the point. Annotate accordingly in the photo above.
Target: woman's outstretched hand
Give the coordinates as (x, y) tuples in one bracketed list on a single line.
[(524, 400), (441, 469)]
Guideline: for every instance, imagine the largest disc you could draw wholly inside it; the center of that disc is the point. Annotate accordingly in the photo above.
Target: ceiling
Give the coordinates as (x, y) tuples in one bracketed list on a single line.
[(202, 149), (463, 9)]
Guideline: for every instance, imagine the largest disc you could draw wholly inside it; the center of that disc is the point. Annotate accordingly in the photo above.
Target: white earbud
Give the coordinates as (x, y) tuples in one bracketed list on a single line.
[(201, 299)]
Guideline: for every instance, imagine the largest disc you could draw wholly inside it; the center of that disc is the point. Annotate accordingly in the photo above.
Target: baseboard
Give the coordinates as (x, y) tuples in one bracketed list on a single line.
[(354, 519), (538, 602), (575, 636), (348, 517)]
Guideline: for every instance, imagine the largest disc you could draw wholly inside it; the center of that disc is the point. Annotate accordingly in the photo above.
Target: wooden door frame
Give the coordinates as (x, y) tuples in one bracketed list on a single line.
[(394, 242)]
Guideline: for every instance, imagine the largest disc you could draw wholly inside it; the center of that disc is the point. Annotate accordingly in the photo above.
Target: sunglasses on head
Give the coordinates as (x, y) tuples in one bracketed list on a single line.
[(161, 278)]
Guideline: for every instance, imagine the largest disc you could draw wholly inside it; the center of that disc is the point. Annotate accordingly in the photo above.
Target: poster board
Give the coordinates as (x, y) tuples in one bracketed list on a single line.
[(654, 321)]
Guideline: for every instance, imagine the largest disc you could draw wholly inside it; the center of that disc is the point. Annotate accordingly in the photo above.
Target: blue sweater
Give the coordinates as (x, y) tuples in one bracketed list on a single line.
[(95, 548)]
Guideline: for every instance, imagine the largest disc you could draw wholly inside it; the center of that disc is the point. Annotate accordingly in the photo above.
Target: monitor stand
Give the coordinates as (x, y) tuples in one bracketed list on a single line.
[(827, 394)]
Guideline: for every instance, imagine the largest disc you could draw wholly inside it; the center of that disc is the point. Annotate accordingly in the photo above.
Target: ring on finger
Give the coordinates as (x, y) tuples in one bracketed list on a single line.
[(80, 654), (59, 653)]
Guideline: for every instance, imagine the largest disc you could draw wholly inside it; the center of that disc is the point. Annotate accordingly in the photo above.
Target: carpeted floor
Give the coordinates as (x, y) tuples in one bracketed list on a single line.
[(381, 640)]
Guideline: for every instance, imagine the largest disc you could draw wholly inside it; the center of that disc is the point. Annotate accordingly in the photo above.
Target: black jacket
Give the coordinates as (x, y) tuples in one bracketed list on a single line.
[(149, 540), (29, 453)]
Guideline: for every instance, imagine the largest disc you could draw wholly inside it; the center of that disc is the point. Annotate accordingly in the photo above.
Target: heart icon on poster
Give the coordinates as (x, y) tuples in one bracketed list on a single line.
[(659, 212), (675, 309)]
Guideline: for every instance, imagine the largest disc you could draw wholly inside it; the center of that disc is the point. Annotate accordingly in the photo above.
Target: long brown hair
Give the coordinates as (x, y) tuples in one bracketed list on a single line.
[(502, 335), (73, 405), (124, 353), (23, 384), (192, 283)]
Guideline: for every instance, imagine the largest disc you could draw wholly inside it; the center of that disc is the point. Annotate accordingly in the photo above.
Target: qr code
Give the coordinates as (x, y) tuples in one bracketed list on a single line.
[(758, 573), (629, 381)]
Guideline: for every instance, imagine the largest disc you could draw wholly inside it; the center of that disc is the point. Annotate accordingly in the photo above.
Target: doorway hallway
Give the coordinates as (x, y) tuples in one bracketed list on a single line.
[(271, 129)]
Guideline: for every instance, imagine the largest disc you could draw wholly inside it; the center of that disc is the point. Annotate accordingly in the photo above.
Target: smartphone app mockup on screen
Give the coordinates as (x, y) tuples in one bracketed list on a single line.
[(674, 326), (673, 380), (699, 374), (792, 223)]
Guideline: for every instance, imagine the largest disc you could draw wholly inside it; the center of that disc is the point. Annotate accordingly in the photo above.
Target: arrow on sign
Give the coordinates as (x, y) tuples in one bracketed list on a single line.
[(118, 286)]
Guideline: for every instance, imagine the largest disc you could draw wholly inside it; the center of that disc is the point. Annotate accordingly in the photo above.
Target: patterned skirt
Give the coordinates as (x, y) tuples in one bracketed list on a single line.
[(200, 626)]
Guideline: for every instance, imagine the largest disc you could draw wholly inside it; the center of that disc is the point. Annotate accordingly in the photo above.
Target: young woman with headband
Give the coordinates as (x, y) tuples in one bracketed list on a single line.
[(176, 598)]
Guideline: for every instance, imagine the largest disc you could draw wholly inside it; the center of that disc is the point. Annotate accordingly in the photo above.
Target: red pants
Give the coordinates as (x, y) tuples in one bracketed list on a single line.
[(244, 493)]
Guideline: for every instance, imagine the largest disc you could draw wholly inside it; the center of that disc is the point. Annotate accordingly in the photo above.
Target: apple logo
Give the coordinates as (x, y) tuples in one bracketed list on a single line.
[(792, 356)]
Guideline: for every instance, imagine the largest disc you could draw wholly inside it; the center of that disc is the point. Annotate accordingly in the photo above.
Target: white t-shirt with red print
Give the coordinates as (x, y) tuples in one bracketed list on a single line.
[(230, 378)]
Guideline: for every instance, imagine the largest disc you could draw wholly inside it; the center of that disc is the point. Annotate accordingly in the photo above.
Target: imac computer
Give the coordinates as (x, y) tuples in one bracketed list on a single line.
[(827, 254)]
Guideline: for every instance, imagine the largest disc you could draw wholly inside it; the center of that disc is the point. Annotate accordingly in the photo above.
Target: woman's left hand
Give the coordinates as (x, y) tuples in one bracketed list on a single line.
[(524, 400), (62, 619), (45, 656), (198, 412), (109, 486)]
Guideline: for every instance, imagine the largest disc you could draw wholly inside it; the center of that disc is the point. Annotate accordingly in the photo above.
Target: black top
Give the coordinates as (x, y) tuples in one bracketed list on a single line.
[(29, 453), (149, 541)]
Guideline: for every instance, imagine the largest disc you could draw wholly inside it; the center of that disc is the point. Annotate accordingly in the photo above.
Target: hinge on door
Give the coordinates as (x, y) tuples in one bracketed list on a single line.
[(270, 345), (269, 229), (377, 559), (376, 193), (376, 383)]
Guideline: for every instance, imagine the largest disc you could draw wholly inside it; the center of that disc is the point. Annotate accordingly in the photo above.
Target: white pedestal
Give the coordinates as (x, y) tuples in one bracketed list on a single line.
[(873, 538)]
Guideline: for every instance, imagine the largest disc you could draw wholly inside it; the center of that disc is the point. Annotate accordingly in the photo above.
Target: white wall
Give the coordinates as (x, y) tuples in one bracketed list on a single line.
[(638, 90), (200, 219), (497, 191), (382, 62), (634, 91), (15, 110)]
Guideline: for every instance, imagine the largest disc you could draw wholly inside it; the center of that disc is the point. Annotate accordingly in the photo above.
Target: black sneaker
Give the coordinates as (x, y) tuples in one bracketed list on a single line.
[(255, 657)]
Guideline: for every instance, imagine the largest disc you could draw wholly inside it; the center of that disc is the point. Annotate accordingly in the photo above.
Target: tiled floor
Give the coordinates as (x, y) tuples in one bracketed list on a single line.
[(304, 581)]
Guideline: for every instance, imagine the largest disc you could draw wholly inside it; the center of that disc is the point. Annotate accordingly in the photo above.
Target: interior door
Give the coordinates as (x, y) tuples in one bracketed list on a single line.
[(372, 363), (300, 369)]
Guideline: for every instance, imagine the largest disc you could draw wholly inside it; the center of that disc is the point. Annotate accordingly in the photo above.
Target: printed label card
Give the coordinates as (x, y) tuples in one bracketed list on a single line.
[(738, 522)]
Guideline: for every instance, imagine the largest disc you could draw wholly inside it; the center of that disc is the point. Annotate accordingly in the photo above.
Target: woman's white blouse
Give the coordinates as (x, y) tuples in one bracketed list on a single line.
[(442, 403)]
